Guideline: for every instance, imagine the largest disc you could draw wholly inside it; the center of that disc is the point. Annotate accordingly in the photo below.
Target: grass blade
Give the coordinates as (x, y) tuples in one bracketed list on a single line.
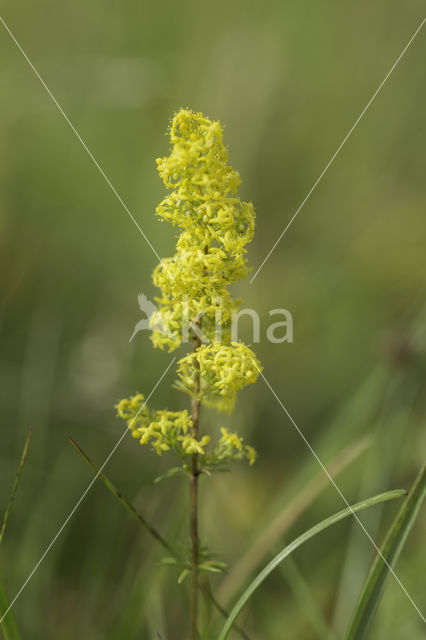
[(285, 518), (304, 537), (8, 624), (374, 585), (15, 486), (7, 621)]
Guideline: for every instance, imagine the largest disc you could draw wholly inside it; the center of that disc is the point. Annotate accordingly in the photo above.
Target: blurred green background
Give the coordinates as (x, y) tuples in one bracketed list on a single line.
[(287, 80)]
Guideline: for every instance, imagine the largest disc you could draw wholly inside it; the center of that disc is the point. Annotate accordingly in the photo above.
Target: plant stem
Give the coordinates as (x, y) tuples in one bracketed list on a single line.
[(193, 488)]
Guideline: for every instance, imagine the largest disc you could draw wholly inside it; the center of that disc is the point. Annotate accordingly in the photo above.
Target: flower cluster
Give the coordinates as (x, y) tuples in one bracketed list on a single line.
[(230, 448), (133, 410), (171, 431), (223, 369), (164, 430), (215, 225)]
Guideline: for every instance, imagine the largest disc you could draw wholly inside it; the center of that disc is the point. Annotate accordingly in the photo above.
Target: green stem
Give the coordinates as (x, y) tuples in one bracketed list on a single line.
[(193, 490)]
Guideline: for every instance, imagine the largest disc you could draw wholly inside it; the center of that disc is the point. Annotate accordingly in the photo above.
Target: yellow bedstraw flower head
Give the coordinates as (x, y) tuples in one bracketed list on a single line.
[(214, 228), (230, 447), (216, 225)]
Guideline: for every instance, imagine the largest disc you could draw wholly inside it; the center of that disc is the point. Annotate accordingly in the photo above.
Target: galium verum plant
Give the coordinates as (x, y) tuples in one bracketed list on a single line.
[(195, 305)]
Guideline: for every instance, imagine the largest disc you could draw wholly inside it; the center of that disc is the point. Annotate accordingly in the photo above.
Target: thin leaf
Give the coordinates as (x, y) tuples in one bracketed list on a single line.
[(210, 567), (285, 518), (7, 621), (15, 485), (126, 504), (174, 473), (374, 585), (222, 566), (304, 537)]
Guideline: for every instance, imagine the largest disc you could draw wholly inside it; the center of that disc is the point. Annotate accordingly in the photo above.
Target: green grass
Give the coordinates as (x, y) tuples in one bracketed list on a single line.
[(288, 549), (373, 588)]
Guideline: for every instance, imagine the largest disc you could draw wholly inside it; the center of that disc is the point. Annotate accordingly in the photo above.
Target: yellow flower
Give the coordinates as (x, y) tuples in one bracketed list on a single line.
[(224, 370), (230, 448), (231, 440), (191, 445), (163, 429), (159, 446), (216, 225), (251, 454), (133, 410)]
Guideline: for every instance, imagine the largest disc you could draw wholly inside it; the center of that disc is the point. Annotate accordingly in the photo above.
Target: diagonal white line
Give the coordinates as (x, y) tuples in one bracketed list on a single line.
[(80, 139), (83, 496), (311, 449), (333, 157)]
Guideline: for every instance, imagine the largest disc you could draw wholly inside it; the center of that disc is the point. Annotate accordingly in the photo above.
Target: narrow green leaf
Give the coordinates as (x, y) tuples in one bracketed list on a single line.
[(170, 560), (209, 567), (8, 624), (294, 505), (374, 585), (211, 468), (222, 566), (185, 573), (15, 486), (126, 504), (304, 537), (174, 473)]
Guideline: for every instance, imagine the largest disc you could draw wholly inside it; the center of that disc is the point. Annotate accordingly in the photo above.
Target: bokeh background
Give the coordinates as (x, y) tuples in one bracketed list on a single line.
[(288, 81)]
